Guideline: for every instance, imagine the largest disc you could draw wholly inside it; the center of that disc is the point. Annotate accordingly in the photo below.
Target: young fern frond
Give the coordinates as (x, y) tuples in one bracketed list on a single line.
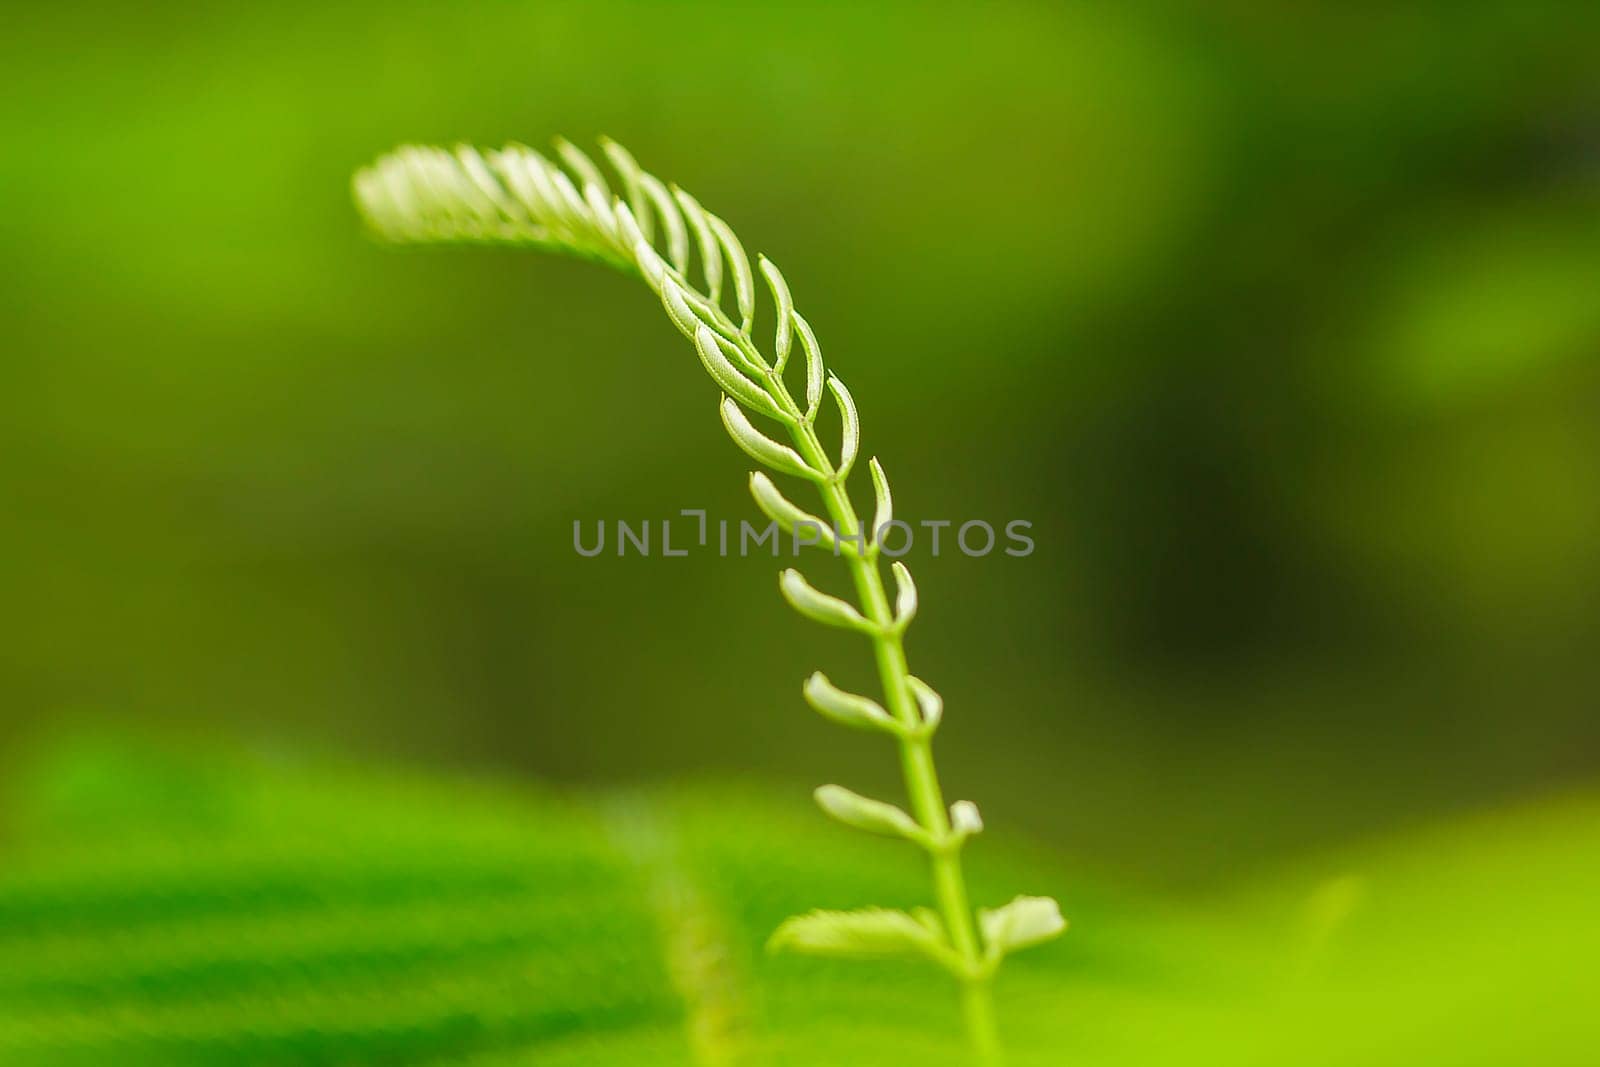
[(515, 195)]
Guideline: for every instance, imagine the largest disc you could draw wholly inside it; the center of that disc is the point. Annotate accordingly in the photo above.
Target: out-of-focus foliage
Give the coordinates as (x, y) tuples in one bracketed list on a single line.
[(1293, 306), (164, 910)]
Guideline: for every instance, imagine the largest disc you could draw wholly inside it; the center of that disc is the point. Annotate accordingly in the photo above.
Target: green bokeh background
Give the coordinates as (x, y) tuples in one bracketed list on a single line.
[(1281, 326), (1280, 323)]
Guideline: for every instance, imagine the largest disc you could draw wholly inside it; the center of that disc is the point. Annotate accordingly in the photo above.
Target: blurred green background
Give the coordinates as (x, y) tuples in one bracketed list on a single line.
[(1280, 324)]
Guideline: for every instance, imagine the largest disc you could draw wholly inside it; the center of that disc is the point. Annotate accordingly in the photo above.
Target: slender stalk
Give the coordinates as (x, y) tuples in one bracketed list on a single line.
[(918, 769), (916, 749)]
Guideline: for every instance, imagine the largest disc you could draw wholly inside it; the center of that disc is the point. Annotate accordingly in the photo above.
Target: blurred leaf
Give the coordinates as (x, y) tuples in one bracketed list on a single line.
[(287, 914)]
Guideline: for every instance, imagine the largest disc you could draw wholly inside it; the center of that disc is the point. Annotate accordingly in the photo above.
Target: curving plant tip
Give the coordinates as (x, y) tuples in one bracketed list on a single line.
[(695, 264)]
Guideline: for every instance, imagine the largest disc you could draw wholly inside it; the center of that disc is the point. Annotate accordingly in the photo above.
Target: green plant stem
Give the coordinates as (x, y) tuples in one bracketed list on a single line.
[(916, 749)]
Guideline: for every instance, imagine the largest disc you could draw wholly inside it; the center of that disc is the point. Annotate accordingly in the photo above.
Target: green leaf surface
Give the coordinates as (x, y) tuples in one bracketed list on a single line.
[(157, 909)]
